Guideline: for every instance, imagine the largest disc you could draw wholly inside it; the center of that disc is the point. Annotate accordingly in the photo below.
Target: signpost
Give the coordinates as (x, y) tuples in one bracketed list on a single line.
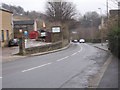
[(56, 34), (56, 30)]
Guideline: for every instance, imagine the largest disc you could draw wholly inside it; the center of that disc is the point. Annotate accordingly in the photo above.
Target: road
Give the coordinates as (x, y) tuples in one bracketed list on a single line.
[(55, 70)]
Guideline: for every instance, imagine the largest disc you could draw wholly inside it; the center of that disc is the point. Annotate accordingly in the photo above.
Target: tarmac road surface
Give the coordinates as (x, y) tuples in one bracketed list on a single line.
[(54, 70)]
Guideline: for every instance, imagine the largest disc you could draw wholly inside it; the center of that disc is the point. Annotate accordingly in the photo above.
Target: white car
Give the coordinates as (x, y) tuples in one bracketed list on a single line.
[(82, 40), (75, 41)]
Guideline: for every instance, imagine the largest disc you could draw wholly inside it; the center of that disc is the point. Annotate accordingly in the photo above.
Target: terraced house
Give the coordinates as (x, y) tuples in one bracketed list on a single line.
[(6, 29)]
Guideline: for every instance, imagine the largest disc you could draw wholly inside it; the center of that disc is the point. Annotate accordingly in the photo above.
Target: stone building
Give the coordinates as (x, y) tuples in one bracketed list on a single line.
[(24, 25), (6, 26)]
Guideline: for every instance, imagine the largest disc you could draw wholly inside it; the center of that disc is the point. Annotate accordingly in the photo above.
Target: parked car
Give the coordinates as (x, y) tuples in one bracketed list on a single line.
[(13, 42), (82, 40), (33, 35), (75, 40)]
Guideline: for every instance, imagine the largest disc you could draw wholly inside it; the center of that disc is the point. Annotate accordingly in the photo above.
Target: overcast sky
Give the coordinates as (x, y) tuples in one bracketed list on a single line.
[(81, 5)]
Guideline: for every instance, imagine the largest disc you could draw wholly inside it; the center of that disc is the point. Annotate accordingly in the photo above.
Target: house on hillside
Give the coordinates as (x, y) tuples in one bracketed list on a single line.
[(114, 13), (114, 16), (25, 26), (6, 26)]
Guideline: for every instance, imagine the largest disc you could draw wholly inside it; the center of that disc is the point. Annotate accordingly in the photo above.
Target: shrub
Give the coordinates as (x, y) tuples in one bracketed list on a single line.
[(114, 41)]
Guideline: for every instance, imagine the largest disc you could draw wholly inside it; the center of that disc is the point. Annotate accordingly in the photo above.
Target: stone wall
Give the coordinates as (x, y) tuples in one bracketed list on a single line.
[(45, 48)]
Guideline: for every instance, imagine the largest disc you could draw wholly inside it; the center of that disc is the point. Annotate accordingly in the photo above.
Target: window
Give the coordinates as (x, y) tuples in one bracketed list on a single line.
[(2, 35), (7, 35)]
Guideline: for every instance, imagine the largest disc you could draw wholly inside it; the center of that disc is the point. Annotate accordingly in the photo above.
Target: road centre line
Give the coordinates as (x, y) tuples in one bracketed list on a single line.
[(77, 52), (63, 58), (80, 50), (51, 63), (36, 67), (0, 77), (74, 54)]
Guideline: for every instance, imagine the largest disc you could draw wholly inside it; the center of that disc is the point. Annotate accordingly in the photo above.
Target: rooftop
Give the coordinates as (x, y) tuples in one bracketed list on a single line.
[(24, 22), (5, 10)]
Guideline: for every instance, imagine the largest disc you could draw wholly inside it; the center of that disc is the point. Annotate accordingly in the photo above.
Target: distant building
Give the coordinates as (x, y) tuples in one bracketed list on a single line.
[(25, 26), (6, 29), (114, 13)]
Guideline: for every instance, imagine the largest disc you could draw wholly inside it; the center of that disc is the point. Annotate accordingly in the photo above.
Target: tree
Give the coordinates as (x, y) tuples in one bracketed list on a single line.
[(60, 11), (114, 35), (17, 10), (90, 18)]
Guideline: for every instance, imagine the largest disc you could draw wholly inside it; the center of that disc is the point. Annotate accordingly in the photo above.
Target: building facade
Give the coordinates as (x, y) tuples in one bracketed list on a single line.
[(6, 27), (25, 26)]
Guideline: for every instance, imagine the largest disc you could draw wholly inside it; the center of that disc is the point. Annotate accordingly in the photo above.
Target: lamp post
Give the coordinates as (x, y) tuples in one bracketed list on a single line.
[(91, 32), (101, 26)]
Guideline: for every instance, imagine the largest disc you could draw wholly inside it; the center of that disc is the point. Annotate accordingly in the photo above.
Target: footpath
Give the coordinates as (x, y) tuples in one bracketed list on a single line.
[(110, 70), (10, 53)]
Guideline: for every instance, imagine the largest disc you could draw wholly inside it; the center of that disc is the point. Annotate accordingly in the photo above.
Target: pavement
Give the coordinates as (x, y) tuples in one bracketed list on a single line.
[(9, 53), (110, 78), (103, 46)]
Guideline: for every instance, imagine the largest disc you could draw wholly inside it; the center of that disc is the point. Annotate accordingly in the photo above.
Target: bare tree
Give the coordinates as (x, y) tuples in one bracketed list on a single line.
[(90, 16), (60, 11)]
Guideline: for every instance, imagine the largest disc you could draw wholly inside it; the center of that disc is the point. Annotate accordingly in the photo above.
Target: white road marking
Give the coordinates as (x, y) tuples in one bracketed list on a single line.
[(80, 50), (36, 67), (0, 77), (74, 54), (77, 52), (63, 58)]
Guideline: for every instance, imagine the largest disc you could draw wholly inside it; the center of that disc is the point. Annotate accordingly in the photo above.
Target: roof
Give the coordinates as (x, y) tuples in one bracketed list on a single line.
[(24, 22), (5, 10)]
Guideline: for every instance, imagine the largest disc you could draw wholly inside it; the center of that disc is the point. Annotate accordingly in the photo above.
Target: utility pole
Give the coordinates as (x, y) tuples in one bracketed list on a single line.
[(107, 8), (92, 37), (101, 26), (107, 16)]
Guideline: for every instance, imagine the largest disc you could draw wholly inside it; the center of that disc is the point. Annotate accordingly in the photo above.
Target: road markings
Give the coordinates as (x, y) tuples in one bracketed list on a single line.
[(77, 52), (36, 67), (0, 77), (74, 54), (63, 58), (80, 50)]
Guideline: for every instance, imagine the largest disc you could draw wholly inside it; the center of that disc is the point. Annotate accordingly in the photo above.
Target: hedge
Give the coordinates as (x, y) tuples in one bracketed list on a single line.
[(114, 41)]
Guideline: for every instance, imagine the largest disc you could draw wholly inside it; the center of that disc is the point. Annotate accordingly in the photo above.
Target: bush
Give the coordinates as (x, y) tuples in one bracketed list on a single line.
[(94, 40), (114, 41)]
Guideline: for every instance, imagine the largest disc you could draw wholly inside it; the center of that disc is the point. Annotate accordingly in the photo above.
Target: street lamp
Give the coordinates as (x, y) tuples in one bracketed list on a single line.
[(91, 32), (20, 30), (101, 26)]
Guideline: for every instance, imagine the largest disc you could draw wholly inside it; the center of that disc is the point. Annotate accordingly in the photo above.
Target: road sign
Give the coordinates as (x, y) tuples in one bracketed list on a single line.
[(55, 29)]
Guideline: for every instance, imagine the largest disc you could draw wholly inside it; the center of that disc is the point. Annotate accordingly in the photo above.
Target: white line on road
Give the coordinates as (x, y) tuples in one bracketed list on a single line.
[(77, 52), (74, 54), (63, 58), (80, 50), (0, 77), (36, 67)]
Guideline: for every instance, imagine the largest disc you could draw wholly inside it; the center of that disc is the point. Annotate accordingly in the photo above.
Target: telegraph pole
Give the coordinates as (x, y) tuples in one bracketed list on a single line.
[(107, 8), (101, 26)]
